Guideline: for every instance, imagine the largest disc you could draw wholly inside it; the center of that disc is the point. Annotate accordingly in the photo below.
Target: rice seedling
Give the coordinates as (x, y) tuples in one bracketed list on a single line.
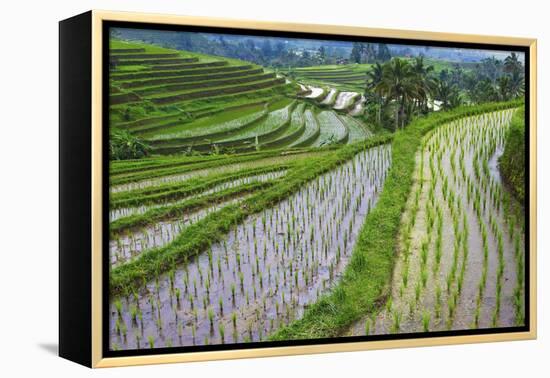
[(367, 326), (426, 320), (118, 306), (424, 277), (417, 292), (211, 318), (389, 305), (396, 321), (221, 330)]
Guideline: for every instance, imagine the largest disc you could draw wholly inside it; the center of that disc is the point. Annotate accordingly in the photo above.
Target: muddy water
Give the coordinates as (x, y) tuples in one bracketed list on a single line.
[(266, 271), (136, 241), (315, 92), (343, 100), (359, 106), (330, 96), (127, 211), (444, 303)]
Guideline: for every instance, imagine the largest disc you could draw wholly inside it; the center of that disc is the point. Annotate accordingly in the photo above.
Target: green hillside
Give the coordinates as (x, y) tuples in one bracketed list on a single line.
[(180, 101)]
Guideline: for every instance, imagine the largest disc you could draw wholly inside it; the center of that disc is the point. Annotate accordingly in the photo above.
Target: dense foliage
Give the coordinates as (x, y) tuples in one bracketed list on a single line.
[(124, 145), (369, 52), (402, 88), (512, 161)]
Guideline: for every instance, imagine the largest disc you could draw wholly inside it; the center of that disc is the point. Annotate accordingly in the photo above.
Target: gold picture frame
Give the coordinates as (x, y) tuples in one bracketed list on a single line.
[(93, 25)]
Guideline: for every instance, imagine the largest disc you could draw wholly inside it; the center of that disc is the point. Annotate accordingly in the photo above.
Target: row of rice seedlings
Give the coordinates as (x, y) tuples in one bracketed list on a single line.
[(123, 212), (455, 279), (135, 242), (451, 181), (232, 166), (268, 269)]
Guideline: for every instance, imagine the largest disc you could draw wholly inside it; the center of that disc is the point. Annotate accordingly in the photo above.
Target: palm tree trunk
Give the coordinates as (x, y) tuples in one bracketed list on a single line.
[(402, 111)]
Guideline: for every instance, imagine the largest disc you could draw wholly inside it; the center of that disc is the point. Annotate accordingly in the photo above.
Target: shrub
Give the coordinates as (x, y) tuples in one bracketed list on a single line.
[(123, 145), (512, 161)]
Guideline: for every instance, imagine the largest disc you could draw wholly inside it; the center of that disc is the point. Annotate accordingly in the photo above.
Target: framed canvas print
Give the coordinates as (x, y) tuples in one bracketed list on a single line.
[(236, 189)]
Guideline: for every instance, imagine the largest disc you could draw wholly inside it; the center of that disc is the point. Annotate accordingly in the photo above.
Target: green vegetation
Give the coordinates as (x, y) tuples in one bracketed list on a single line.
[(123, 145), (199, 235), (266, 192), (366, 279), (401, 89), (512, 161), (185, 102)]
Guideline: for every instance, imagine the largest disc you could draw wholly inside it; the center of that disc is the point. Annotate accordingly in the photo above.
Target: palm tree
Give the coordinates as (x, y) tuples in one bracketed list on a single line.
[(456, 98), (399, 83), (443, 93), (504, 87), (517, 84), (486, 91), (374, 77), (425, 81), (448, 94), (512, 63)]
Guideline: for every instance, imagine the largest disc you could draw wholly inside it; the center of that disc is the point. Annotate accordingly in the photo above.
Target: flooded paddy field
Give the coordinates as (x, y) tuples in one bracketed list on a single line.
[(122, 212), (320, 196), (265, 271), (461, 263), (224, 169)]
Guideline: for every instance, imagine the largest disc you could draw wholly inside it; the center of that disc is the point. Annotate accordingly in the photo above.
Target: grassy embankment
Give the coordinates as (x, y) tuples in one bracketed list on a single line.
[(512, 161)]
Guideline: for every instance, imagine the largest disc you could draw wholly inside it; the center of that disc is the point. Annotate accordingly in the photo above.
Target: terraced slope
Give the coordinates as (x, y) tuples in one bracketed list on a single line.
[(163, 76), (343, 77), (183, 102), (153, 202), (153, 89)]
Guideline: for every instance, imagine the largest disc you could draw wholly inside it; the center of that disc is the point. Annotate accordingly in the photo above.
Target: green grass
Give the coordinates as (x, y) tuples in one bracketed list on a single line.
[(213, 92), (148, 48), (155, 215), (207, 83), (169, 169), (274, 120), (294, 131), (128, 77), (187, 79), (153, 163), (211, 125), (367, 278), (171, 192), (512, 161)]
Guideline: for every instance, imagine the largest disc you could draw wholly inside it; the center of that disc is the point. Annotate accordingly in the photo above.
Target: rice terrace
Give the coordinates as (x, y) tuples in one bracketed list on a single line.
[(273, 189)]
